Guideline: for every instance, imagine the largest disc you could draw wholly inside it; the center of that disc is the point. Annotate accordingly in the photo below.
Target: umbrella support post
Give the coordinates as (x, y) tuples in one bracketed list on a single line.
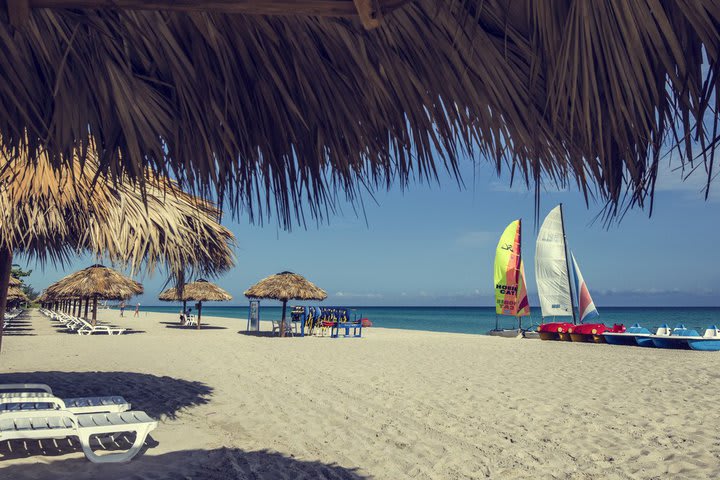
[(282, 322), (87, 307), (199, 314), (6, 256), (94, 319)]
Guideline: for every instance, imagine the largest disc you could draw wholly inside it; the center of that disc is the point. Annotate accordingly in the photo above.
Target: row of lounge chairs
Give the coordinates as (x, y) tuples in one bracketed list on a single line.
[(33, 412), (80, 325)]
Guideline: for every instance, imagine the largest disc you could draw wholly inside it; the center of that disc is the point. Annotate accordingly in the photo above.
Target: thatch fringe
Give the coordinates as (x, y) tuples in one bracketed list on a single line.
[(286, 286), (198, 291), (96, 281), (53, 214), (291, 109)]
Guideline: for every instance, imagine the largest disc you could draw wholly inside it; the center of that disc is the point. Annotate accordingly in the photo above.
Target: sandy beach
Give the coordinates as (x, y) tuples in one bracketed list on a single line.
[(394, 404)]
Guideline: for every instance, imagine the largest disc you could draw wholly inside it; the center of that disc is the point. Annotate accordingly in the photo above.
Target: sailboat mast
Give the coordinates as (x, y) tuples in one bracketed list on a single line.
[(517, 274), (567, 266)]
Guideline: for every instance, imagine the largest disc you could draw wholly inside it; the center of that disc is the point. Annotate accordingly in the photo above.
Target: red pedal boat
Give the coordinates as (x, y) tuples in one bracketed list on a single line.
[(555, 331)]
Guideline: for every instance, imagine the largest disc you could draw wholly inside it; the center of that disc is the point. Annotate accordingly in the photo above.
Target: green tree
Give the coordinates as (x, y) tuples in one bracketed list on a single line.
[(18, 272)]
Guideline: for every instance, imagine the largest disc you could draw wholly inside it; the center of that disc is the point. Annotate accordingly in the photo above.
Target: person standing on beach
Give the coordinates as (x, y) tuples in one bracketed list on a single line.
[(122, 309), (137, 310)]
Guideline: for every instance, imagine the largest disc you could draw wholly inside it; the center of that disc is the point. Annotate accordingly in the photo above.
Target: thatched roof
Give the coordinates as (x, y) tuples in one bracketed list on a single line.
[(286, 286), (48, 213), (96, 281), (200, 290), (283, 108), (15, 293), (14, 282)]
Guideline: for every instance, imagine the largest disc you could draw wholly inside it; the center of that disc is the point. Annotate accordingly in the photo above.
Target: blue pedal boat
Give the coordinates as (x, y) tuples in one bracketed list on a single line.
[(710, 342), (632, 336), (675, 339)]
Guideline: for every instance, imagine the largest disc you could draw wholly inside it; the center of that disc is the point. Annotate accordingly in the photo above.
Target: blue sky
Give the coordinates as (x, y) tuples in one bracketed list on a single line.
[(434, 245)]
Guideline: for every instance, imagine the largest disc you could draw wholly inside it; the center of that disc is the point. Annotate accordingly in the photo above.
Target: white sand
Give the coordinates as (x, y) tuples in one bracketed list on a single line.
[(395, 404)]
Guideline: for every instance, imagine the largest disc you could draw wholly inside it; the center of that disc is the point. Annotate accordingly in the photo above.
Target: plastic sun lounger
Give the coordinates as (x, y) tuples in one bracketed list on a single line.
[(87, 329), (23, 396), (22, 401), (54, 424)]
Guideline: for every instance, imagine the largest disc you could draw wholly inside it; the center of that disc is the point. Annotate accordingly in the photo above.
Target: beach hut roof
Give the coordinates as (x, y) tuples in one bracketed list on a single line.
[(15, 293), (272, 102), (14, 282), (286, 286), (198, 291), (53, 214), (96, 281)]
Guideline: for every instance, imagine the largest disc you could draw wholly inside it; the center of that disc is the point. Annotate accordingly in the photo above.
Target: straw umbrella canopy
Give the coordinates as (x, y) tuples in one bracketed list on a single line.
[(96, 282), (285, 286), (15, 293), (312, 95), (198, 291), (14, 282), (53, 214)]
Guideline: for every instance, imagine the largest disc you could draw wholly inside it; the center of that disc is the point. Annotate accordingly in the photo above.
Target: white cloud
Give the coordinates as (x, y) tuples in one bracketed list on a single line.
[(476, 239)]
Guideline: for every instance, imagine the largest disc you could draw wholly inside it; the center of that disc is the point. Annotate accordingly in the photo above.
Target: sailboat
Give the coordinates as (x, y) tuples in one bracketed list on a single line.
[(553, 277), (510, 288), (585, 332), (552, 273)]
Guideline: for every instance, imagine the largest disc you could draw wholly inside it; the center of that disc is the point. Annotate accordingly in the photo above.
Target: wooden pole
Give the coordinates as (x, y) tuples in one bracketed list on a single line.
[(87, 306), (199, 314), (282, 322), (6, 256), (94, 319)]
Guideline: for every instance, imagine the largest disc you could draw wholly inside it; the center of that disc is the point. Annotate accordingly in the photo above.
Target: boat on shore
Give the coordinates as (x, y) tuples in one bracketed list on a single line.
[(675, 338), (709, 342), (633, 336), (511, 299), (552, 275)]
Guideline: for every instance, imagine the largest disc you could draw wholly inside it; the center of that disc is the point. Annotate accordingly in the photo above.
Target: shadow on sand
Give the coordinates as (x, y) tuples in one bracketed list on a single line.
[(219, 464), (264, 334), (156, 396), (177, 326)]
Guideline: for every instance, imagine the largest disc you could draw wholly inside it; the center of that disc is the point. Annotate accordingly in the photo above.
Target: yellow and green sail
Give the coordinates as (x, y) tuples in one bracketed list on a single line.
[(510, 288)]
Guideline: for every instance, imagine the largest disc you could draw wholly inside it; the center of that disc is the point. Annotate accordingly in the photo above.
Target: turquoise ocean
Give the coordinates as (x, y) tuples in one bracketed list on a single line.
[(474, 320)]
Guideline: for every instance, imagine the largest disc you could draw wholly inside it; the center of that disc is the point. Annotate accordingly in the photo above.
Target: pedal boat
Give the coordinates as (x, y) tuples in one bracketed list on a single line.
[(592, 332), (709, 342), (628, 337), (555, 331), (677, 338)]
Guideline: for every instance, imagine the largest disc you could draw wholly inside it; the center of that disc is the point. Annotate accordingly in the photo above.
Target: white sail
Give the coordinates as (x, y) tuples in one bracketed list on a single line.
[(551, 270)]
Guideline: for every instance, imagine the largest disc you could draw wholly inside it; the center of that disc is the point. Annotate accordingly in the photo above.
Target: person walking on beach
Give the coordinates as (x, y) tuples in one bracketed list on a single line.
[(137, 310), (122, 309)]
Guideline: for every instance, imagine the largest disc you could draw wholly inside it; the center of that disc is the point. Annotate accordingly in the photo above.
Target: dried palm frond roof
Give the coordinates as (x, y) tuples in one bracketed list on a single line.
[(286, 286), (282, 109), (53, 213), (15, 293), (200, 290), (96, 281), (14, 282)]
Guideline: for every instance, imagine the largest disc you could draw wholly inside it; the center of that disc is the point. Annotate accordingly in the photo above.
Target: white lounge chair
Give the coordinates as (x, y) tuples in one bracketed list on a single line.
[(88, 329), (39, 396), (53, 424), (190, 320), (17, 401)]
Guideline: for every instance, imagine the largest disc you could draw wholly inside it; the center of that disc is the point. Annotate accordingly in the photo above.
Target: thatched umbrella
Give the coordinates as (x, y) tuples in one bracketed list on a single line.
[(14, 282), (53, 214), (198, 291), (96, 282), (285, 286), (313, 94), (15, 293)]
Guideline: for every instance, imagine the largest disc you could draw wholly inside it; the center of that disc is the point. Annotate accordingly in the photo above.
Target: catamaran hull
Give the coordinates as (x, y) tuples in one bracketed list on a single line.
[(511, 333), (644, 342)]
